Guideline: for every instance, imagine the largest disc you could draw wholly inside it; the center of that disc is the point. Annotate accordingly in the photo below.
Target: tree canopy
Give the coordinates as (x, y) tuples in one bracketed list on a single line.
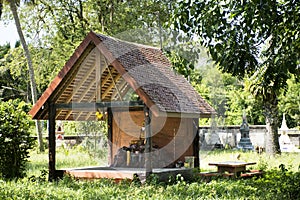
[(247, 37), (254, 39)]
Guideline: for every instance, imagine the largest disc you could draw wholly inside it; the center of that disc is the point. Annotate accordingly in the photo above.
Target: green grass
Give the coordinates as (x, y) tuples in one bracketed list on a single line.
[(277, 183)]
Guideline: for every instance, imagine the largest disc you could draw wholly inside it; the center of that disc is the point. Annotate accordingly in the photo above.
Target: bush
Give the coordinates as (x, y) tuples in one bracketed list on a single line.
[(15, 140)]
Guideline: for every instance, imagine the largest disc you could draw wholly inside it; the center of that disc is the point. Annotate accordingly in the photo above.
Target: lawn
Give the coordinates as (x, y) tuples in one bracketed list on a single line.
[(278, 183)]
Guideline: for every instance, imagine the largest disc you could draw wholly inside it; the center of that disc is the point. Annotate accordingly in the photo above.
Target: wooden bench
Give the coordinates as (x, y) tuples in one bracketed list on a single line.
[(252, 173), (207, 176), (228, 175)]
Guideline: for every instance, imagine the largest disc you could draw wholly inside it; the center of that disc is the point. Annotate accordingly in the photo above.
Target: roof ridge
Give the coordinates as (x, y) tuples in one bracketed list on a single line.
[(102, 36)]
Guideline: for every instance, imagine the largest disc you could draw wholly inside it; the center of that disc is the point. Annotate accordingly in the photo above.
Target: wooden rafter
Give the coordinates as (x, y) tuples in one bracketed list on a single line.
[(88, 116), (91, 85), (120, 87), (114, 82), (105, 80), (98, 68), (125, 90), (68, 114), (82, 80), (72, 73), (115, 79)]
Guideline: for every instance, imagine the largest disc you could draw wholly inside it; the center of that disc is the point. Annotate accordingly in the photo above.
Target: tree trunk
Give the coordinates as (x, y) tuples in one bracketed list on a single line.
[(272, 124), (14, 11)]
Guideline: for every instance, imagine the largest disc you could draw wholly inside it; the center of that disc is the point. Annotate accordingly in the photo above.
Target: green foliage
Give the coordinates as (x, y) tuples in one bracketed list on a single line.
[(290, 103), (13, 75), (229, 96), (180, 64), (235, 34), (257, 39), (280, 182), (15, 142), (3, 50)]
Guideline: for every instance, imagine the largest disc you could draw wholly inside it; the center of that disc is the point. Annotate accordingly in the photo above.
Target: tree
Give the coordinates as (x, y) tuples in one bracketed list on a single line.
[(4, 50), (250, 38), (13, 7), (14, 82), (15, 140)]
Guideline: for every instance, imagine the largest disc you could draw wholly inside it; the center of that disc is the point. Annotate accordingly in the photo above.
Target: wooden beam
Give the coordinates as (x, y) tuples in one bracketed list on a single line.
[(120, 87), (115, 79), (89, 115), (84, 93), (105, 80), (98, 68), (115, 82), (87, 74), (148, 145), (196, 147), (93, 106), (120, 68), (126, 89), (110, 135), (68, 114), (87, 89), (51, 140)]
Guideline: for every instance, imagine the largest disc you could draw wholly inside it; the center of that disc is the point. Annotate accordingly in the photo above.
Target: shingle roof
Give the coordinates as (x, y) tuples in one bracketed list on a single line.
[(145, 69), (152, 71)]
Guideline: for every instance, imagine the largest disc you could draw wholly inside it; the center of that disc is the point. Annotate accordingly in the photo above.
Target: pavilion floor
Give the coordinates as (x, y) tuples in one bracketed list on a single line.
[(118, 173)]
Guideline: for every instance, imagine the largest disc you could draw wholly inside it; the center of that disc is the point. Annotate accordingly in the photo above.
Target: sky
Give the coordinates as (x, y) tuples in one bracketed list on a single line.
[(8, 33)]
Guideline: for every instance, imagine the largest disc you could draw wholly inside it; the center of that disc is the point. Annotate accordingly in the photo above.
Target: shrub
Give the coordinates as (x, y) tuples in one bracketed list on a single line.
[(15, 140)]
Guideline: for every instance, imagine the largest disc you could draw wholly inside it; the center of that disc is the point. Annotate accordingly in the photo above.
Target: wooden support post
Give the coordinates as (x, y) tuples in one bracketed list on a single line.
[(51, 140), (110, 132), (98, 75), (148, 145), (196, 147)]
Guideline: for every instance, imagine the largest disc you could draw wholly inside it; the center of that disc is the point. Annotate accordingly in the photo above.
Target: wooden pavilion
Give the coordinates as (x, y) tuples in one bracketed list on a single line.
[(150, 110)]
